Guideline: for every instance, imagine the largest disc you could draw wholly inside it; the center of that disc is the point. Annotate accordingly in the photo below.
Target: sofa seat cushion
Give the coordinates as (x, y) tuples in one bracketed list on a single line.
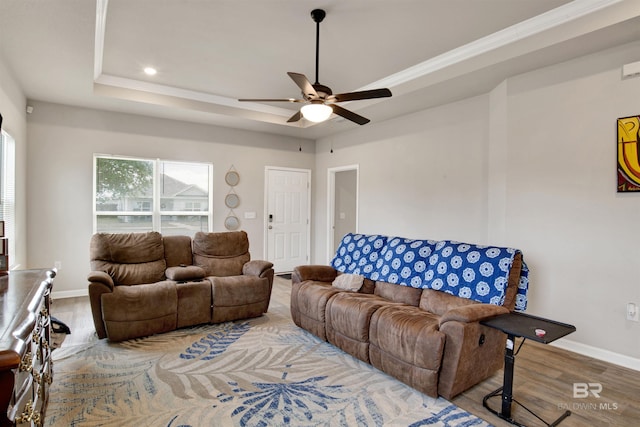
[(347, 321), (238, 297), (406, 344), (141, 310), (194, 302), (308, 303)]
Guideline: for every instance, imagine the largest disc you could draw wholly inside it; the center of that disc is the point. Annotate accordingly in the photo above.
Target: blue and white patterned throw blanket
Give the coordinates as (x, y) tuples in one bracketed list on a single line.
[(475, 272)]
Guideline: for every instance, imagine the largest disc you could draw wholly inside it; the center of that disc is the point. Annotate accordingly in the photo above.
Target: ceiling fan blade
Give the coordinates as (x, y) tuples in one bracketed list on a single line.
[(349, 115), (303, 83), (271, 100), (297, 116), (364, 94)]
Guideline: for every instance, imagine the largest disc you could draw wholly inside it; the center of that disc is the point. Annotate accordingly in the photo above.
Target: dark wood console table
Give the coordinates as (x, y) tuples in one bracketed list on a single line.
[(538, 329), (25, 356)]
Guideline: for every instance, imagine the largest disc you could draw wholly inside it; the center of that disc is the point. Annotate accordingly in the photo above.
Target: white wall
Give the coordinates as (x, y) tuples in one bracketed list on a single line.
[(13, 108), (63, 140), (531, 165)]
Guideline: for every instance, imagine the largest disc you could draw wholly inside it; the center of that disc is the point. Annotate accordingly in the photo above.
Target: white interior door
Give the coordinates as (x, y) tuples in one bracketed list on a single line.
[(287, 218)]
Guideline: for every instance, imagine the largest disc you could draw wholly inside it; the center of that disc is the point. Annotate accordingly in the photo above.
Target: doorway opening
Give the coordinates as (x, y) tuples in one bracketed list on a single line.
[(342, 205)]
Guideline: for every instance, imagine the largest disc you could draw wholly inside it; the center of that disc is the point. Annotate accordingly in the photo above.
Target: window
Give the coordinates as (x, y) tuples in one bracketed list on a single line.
[(137, 195), (7, 192)]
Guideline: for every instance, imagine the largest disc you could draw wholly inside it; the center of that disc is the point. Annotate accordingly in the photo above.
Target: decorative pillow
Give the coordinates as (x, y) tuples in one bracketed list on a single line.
[(185, 273), (348, 282), (479, 273), (358, 253), (404, 261)]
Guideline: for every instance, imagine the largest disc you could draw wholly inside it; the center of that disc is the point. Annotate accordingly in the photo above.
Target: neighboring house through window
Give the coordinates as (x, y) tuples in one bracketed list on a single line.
[(138, 195)]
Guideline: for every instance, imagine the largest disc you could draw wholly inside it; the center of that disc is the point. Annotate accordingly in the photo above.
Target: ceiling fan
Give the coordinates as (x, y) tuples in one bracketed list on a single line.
[(320, 100)]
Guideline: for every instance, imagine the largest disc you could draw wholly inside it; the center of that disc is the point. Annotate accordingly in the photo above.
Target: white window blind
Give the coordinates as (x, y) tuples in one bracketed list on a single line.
[(8, 197)]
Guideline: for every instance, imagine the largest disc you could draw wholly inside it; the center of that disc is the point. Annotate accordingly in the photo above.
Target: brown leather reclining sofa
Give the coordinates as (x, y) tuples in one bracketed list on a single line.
[(146, 283), (420, 331)]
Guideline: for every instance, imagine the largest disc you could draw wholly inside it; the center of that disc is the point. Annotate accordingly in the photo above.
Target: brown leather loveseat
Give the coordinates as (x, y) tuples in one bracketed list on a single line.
[(412, 308), (146, 283)]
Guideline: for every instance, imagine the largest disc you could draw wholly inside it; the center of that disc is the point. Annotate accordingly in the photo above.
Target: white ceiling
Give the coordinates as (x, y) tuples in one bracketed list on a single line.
[(210, 52)]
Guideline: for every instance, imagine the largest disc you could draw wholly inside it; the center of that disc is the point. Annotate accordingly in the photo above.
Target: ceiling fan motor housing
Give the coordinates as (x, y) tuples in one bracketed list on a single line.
[(322, 91)]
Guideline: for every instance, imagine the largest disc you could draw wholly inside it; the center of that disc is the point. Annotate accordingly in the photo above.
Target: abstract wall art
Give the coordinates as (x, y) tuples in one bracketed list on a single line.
[(628, 154)]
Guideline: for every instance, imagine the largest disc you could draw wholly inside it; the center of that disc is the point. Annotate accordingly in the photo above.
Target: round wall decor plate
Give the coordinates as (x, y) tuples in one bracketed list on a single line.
[(232, 178), (232, 200), (231, 223)]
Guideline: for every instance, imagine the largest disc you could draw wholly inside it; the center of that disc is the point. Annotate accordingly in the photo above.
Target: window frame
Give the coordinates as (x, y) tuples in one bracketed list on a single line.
[(156, 213)]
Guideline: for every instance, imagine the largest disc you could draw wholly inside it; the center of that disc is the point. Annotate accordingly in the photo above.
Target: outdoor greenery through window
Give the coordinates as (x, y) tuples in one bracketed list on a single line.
[(138, 195)]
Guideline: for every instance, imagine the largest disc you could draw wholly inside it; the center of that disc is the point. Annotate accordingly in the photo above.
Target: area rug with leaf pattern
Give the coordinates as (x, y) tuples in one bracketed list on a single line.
[(258, 372)]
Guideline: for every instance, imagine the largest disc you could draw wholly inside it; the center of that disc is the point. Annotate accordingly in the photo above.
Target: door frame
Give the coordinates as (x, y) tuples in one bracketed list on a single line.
[(265, 215), (331, 203)]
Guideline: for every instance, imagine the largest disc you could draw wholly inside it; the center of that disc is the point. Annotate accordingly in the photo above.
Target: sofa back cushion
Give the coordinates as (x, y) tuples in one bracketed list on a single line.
[(438, 303), (475, 272), (177, 250), (404, 261), (221, 254), (358, 254), (129, 258), (398, 293)]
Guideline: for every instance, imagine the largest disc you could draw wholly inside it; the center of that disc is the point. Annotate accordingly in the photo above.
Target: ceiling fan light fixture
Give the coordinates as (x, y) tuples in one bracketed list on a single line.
[(316, 94), (316, 112)]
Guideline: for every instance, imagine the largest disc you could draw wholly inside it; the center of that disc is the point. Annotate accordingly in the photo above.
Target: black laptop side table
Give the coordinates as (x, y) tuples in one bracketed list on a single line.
[(538, 329)]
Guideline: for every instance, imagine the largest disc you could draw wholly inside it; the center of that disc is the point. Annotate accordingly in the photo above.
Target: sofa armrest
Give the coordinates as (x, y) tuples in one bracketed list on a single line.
[(96, 290), (472, 313), (185, 273), (321, 273), (101, 277), (256, 268)]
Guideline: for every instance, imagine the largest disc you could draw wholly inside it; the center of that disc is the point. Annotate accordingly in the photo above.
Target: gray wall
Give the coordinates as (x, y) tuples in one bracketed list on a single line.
[(531, 165), (63, 140)]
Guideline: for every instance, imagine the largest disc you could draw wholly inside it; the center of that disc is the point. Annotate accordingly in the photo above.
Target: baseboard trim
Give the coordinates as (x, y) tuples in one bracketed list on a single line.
[(598, 353), (69, 294)]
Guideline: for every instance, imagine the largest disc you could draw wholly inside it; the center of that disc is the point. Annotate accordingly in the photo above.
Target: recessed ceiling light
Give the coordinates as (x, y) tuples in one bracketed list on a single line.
[(150, 71)]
